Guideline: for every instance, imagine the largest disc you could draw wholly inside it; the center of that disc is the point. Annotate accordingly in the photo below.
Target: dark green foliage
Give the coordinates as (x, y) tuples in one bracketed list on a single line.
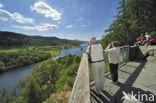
[(52, 75), (153, 33), (46, 74), (77, 59), (69, 74), (106, 40), (134, 17), (20, 99), (10, 60), (6, 97), (32, 93), (68, 60), (16, 40), (46, 78)]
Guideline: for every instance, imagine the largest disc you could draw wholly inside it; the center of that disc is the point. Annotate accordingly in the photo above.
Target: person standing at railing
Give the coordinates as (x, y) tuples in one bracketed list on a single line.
[(95, 51), (114, 56)]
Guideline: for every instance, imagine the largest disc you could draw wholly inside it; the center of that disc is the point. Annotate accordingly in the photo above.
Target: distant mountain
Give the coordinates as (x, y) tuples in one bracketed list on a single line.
[(79, 40), (98, 41), (17, 40)]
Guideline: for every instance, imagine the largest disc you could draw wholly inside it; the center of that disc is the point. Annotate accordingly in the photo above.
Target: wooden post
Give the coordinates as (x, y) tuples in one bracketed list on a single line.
[(128, 48), (81, 89)]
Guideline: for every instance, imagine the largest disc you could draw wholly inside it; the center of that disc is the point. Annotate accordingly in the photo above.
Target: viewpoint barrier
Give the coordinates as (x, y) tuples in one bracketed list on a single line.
[(81, 89)]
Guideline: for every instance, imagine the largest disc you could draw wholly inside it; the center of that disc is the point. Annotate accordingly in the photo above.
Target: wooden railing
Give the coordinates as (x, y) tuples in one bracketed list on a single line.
[(124, 54), (81, 89)]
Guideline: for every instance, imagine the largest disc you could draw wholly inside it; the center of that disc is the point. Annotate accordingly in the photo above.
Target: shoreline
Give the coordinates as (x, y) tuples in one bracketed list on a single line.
[(53, 53), (18, 67)]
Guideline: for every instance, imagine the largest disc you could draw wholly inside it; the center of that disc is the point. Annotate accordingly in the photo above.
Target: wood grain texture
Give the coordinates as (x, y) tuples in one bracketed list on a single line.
[(81, 89)]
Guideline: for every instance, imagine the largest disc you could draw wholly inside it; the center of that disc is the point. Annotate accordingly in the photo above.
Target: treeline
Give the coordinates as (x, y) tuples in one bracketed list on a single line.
[(134, 17), (13, 59), (17, 40), (50, 81), (6, 97)]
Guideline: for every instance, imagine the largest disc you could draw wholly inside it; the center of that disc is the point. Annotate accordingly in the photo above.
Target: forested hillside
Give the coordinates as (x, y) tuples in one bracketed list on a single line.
[(50, 78), (16, 40), (17, 58), (133, 17)]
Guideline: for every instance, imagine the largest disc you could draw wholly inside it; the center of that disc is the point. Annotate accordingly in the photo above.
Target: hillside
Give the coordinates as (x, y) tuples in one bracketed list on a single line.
[(17, 40), (134, 17)]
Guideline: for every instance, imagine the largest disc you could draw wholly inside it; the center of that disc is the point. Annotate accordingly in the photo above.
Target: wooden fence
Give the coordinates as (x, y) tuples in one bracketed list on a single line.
[(81, 89)]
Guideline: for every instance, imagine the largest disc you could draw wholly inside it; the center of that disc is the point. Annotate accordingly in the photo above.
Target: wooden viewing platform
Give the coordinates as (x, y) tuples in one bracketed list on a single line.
[(137, 75), (81, 88)]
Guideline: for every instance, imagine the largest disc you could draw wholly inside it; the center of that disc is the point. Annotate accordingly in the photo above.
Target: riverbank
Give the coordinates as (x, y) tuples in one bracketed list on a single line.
[(46, 69), (15, 58), (56, 50)]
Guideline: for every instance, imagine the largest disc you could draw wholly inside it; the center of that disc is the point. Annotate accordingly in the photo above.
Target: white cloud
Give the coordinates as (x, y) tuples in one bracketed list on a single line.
[(80, 19), (20, 19), (42, 27), (5, 16), (43, 8), (69, 26), (83, 26), (1, 5), (59, 22)]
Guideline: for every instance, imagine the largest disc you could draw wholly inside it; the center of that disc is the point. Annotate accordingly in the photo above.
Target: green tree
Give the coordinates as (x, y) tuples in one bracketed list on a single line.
[(20, 99), (6, 97), (46, 74), (3, 95), (134, 17), (32, 93), (2, 66), (68, 60)]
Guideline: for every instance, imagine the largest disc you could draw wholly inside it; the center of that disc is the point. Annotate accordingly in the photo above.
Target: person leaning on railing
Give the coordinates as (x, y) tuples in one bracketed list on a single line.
[(114, 56), (95, 51)]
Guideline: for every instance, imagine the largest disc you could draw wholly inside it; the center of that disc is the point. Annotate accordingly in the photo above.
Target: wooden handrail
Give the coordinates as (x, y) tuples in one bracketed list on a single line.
[(81, 89)]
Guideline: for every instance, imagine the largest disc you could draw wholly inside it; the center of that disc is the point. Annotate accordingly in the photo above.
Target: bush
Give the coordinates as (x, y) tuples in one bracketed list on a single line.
[(32, 93), (6, 97), (10, 60), (153, 34), (54, 76)]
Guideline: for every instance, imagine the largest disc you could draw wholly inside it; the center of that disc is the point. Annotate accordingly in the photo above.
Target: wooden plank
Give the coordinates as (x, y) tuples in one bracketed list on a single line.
[(81, 89)]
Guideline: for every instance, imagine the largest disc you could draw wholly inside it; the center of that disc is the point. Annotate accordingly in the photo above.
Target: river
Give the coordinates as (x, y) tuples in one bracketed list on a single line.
[(9, 78), (74, 51)]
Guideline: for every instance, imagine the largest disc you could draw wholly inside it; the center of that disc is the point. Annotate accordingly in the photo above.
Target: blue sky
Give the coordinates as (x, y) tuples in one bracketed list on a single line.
[(70, 19)]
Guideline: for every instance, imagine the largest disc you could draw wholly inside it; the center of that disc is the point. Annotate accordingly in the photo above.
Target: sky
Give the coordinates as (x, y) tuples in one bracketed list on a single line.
[(67, 19)]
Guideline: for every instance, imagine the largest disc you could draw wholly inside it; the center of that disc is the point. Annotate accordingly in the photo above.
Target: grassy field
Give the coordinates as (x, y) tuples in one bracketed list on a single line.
[(10, 50), (53, 50), (54, 53)]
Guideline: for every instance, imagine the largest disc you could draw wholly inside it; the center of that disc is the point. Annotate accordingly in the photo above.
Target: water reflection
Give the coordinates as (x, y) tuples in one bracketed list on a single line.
[(8, 79), (74, 51)]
